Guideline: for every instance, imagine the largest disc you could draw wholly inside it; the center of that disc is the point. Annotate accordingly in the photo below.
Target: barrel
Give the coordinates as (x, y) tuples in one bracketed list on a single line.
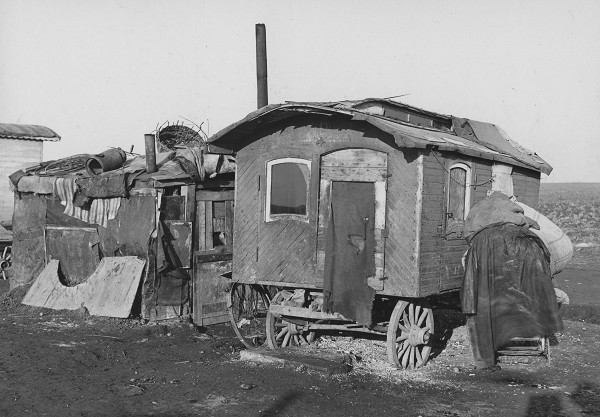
[(558, 243), (106, 161)]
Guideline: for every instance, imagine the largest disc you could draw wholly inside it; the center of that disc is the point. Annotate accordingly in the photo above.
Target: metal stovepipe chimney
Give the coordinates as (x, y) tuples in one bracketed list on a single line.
[(262, 97)]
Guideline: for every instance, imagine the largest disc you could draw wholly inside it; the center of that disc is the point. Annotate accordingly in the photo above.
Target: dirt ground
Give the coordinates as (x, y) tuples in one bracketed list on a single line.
[(55, 363)]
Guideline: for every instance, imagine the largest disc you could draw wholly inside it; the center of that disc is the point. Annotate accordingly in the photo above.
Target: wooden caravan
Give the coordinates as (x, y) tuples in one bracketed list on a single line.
[(354, 211)]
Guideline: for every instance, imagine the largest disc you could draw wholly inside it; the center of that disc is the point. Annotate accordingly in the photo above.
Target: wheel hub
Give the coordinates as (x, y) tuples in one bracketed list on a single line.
[(418, 336), (293, 328)]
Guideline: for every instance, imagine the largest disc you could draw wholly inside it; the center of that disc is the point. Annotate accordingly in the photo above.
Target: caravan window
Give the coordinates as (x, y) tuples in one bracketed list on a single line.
[(459, 198), (459, 191), (288, 182)]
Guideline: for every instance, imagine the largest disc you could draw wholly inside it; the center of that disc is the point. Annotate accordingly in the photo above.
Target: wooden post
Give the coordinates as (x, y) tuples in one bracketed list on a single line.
[(150, 153), (261, 66)]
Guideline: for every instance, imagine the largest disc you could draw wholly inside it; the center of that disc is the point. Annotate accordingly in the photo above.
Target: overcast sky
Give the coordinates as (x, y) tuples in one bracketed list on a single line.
[(103, 73)]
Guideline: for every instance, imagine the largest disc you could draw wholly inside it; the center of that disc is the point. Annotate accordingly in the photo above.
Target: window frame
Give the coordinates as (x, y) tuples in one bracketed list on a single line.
[(270, 217), (467, 201)]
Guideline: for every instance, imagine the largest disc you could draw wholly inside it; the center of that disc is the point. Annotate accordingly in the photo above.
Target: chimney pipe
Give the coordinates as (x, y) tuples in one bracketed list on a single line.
[(150, 153), (262, 97)]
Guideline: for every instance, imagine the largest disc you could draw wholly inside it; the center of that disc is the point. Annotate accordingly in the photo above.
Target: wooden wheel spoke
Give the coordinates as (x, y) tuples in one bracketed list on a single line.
[(418, 311), (402, 337), (411, 313), (404, 329), (419, 357), (281, 333), (413, 356), (296, 340), (403, 347), (423, 317), (286, 339), (405, 357)]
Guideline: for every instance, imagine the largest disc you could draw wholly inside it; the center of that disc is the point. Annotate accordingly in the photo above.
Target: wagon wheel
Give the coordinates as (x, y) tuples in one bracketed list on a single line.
[(283, 333), (248, 306), (409, 331)]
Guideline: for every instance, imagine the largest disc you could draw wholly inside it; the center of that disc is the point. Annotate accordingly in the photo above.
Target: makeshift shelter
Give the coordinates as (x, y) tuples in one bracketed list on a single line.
[(176, 221), (21, 146)]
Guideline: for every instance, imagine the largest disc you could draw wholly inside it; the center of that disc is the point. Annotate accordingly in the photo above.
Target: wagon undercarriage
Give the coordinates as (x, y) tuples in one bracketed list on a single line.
[(296, 318)]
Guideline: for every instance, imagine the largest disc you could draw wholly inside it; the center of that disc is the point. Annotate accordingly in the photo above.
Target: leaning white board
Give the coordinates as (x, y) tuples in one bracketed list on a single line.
[(557, 242), (109, 291)]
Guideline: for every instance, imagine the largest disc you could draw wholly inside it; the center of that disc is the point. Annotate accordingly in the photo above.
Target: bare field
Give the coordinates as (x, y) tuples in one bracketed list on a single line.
[(575, 208)]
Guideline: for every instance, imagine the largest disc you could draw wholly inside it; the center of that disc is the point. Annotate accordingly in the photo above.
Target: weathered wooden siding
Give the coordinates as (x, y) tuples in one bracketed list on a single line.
[(285, 252), (247, 216), (482, 175), (432, 223), (402, 224), (440, 255), (526, 186), (15, 154)]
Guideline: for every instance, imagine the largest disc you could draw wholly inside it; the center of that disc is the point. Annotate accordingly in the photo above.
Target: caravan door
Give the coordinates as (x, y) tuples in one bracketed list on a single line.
[(351, 233)]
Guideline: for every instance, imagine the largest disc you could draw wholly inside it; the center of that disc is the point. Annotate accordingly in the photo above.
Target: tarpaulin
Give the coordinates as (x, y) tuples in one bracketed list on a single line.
[(496, 208), (349, 251), (507, 289)]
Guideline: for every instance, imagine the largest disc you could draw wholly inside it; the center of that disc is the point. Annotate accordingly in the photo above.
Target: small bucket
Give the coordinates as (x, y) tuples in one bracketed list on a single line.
[(557, 242), (106, 161)]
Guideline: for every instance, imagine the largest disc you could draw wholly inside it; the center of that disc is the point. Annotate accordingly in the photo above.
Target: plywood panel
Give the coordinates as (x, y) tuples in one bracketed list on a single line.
[(109, 291)]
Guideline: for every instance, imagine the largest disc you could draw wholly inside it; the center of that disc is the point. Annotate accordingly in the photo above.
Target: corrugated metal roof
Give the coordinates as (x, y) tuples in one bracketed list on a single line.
[(29, 132), (405, 135)]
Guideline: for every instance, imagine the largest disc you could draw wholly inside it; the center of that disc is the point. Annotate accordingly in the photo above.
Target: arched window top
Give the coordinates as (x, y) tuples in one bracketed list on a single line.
[(288, 186)]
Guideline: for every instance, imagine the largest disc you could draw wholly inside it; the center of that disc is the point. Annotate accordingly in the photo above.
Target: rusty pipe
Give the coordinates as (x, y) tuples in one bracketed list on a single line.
[(262, 95), (150, 153)]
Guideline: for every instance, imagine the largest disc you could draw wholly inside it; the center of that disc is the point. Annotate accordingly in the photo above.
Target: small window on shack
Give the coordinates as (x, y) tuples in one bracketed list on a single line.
[(288, 182), (459, 199)]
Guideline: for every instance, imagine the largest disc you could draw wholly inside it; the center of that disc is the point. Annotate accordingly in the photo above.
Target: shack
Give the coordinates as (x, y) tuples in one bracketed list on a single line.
[(22, 146), (417, 173), (169, 232)]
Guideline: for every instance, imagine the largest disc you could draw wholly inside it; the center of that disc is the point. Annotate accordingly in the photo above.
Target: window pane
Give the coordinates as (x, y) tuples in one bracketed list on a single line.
[(457, 193), (289, 186)]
